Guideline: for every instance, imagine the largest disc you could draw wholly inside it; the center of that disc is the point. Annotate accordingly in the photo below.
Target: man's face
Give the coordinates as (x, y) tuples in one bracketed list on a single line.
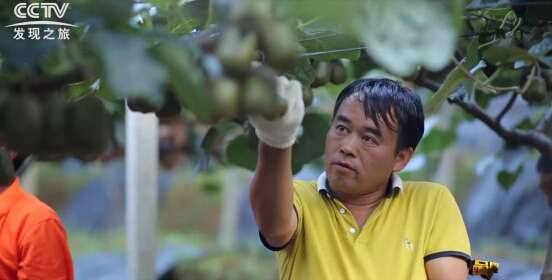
[(358, 156)]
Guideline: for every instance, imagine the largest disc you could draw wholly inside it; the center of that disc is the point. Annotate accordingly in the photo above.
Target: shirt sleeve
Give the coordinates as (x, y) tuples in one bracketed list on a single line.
[(45, 253), (447, 236)]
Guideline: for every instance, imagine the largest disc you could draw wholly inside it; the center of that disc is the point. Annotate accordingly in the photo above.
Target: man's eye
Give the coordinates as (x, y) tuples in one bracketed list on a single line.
[(368, 140), (340, 128)]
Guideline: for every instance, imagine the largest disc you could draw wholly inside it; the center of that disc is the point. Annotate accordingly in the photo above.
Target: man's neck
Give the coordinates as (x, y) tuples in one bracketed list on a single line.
[(361, 205), (365, 200)]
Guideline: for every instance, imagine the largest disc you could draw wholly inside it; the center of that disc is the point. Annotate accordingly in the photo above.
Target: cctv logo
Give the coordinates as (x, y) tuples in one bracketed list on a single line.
[(41, 15), (33, 11)]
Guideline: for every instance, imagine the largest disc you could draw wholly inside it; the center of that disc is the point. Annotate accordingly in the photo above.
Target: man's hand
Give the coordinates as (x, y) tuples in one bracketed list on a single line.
[(281, 133)]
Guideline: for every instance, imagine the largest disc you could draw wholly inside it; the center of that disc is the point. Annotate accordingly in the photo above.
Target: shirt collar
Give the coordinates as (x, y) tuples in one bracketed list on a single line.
[(9, 196), (395, 188)]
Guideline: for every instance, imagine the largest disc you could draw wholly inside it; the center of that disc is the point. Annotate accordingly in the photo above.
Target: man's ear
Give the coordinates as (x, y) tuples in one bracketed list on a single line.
[(402, 158)]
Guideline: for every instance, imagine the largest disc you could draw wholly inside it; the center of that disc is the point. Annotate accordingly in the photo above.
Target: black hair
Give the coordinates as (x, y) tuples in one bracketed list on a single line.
[(20, 163), (388, 100)]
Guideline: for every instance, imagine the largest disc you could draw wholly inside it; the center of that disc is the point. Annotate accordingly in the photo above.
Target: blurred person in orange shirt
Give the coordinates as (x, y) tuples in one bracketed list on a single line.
[(33, 241)]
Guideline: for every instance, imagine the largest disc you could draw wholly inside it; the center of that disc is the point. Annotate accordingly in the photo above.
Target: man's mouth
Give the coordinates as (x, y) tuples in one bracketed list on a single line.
[(344, 165)]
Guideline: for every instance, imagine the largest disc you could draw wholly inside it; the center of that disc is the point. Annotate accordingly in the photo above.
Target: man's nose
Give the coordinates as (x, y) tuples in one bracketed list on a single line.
[(348, 146)]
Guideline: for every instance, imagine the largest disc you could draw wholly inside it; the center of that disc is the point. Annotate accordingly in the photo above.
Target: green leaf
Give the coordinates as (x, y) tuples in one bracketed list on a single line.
[(310, 144), (402, 35), (437, 140), (6, 12), (210, 181), (502, 54), (58, 63), (482, 98), (130, 71), (216, 135), (186, 78), (324, 45), (473, 60), (497, 12), (332, 14), (472, 53), (302, 72), (453, 80), (506, 77), (185, 16), (198, 10), (471, 86), (399, 34), (507, 179), (109, 13), (240, 153), (535, 120), (525, 124)]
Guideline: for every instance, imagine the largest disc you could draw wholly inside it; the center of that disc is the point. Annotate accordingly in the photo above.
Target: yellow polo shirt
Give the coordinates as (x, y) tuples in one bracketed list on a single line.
[(418, 221)]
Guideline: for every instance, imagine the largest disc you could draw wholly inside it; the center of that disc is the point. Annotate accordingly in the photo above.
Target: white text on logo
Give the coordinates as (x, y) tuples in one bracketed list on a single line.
[(22, 10)]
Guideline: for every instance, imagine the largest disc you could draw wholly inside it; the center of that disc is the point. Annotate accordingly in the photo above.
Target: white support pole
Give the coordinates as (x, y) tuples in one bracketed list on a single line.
[(141, 193), (29, 179), (230, 210)]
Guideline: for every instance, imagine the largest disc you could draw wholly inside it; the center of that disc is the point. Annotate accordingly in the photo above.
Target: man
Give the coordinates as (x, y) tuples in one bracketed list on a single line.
[(33, 242), (544, 167), (358, 220)]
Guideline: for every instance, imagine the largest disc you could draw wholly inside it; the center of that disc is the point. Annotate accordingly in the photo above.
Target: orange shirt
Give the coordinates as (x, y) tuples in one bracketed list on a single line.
[(33, 242)]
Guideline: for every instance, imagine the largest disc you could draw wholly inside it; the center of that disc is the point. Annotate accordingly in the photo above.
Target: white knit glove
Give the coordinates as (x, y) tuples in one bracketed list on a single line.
[(281, 133)]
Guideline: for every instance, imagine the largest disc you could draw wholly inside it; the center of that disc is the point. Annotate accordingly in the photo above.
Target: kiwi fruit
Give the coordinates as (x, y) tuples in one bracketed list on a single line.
[(338, 74)]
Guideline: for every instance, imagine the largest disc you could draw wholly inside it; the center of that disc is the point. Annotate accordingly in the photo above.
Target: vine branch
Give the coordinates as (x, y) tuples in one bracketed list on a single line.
[(534, 138), (507, 107)]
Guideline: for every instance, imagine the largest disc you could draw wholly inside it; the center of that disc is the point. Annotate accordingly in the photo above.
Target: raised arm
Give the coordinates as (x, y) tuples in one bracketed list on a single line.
[(272, 195), (272, 186)]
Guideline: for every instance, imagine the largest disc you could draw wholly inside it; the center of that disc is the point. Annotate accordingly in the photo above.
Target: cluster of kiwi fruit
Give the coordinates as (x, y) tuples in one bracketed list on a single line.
[(169, 109), (250, 50), (51, 127), (325, 72), (329, 71), (253, 48)]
